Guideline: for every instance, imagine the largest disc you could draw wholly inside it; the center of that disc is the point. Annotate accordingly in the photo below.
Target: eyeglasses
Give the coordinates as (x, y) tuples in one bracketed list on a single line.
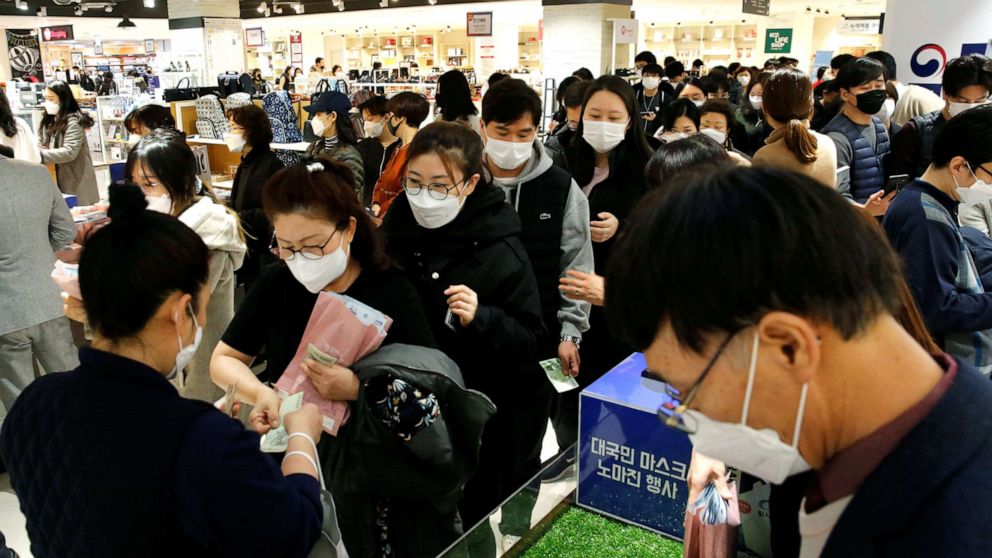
[(435, 190), (672, 413), (308, 252), (963, 100)]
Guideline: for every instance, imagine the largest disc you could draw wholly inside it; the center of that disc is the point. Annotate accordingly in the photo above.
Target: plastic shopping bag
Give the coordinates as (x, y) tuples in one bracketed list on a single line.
[(345, 329), (711, 525)]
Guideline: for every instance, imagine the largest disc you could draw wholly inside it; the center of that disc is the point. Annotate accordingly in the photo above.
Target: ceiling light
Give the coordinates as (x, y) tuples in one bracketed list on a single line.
[(262, 8), (268, 12), (276, 8), (22, 5), (149, 3), (126, 23)]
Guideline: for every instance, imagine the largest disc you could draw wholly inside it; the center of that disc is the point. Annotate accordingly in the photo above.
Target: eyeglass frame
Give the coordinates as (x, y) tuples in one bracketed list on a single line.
[(672, 415), (277, 250), (447, 189)]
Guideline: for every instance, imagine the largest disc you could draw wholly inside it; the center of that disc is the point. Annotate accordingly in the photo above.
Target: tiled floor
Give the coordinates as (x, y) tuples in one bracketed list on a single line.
[(12, 521)]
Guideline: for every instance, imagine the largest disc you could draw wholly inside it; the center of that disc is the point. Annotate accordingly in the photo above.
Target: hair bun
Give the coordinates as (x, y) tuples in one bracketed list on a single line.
[(127, 202)]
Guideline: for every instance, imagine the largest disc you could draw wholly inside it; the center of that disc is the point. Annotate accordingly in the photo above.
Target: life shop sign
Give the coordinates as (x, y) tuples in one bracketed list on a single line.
[(57, 33)]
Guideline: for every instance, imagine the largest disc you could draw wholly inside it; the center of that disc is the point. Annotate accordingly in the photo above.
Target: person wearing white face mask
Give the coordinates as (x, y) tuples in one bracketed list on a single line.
[(554, 216), (164, 167), (694, 89), (143, 279), (966, 84), (63, 143), (335, 136), (142, 120), (378, 145), (251, 136), (651, 100), (607, 161), (924, 230), (459, 242), (789, 372), (681, 121)]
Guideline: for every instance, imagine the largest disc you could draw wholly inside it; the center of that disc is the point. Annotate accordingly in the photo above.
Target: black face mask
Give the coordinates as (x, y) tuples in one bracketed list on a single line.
[(392, 129), (870, 102)]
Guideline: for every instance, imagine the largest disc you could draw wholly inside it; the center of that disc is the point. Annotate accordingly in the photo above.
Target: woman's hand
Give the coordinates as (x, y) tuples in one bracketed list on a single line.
[(605, 228), (307, 420), (587, 287), (265, 415), (878, 203), (73, 308), (702, 470), (463, 302), (332, 382)]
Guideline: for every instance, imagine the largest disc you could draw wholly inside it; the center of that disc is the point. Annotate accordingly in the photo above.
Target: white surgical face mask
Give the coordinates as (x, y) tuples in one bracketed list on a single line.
[(235, 142), (758, 452), (673, 136), (978, 192), (133, 140), (698, 104), (651, 82), (315, 275), (755, 101), (51, 108), (508, 155), (185, 354), (957, 108), (160, 204), (888, 107), (318, 126), (434, 214), (373, 129), (744, 80), (715, 135), (603, 136)]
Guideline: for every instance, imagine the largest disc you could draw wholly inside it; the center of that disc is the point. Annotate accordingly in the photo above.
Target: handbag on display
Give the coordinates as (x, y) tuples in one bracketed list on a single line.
[(180, 93), (236, 100)]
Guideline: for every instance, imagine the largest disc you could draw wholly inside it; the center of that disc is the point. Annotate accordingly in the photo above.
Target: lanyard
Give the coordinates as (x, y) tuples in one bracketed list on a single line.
[(648, 104)]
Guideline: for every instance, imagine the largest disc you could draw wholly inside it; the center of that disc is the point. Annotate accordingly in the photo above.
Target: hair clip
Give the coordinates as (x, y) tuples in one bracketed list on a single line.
[(316, 166)]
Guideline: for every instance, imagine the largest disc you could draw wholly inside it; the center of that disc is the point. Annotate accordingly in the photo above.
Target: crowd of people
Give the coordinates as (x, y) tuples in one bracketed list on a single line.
[(826, 237)]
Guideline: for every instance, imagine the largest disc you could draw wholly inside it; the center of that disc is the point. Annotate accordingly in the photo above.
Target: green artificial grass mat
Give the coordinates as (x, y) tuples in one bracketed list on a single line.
[(578, 533)]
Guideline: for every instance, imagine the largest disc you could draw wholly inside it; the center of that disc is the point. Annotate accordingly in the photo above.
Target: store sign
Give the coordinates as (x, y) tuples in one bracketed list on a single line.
[(860, 26), (296, 47), (479, 24), (254, 37), (778, 41), (625, 31), (24, 53), (57, 33), (756, 7)]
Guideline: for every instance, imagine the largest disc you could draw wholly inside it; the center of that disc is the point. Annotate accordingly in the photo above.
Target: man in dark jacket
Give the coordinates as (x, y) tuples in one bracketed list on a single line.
[(562, 138), (967, 82), (794, 370), (922, 225), (252, 133), (861, 138)]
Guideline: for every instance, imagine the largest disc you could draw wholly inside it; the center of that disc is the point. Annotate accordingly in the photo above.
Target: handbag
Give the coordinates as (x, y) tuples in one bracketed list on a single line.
[(180, 93), (329, 544)]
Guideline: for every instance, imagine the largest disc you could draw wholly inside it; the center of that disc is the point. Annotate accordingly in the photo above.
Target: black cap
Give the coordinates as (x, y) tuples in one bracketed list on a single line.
[(331, 101)]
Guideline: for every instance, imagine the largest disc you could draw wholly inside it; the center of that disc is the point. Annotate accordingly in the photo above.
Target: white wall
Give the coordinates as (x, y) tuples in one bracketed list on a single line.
[(949, 24)]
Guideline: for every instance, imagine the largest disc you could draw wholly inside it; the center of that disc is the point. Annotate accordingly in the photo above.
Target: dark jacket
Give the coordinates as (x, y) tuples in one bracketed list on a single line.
[(346, 154), (867, 164), (912, 145), (422, 478), (932, 495), (374, 157), (109, 461), (107, 87), (480, 249), (922, 226), (87, 83), (246, 198)]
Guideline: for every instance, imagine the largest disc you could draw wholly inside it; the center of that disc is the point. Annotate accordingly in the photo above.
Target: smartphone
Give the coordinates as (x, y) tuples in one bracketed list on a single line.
[(647, 112), (895, 183), (450, 321)]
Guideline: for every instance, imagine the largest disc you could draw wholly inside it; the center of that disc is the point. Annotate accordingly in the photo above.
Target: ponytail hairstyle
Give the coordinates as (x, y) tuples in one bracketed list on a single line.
[(788, 99), (132, 265), (325, 189)]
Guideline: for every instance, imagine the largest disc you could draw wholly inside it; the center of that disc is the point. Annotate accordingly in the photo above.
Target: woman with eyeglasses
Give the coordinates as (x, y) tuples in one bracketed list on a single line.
[(457, 239), (327, 243)]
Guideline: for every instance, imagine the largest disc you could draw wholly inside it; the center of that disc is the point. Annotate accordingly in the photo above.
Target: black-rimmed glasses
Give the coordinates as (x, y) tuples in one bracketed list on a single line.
[(436, 191), (308, 252), (672, 413)]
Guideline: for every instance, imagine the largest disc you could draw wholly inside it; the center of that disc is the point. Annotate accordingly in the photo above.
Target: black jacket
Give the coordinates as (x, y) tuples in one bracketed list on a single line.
[(479, 249), (87, 83), (246, 198), (375, 157)]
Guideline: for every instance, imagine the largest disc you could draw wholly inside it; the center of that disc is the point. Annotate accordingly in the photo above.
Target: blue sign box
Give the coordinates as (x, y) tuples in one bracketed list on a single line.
[(631, 466)]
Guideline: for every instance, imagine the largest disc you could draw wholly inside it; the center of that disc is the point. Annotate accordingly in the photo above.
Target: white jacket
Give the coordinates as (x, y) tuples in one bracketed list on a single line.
[(24, 143)]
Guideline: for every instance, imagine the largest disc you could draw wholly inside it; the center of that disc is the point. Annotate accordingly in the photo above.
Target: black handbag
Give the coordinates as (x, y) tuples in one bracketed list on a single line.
[(180, 93)]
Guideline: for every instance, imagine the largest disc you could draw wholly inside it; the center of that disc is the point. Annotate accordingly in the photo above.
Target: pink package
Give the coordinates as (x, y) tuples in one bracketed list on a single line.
[(335, 328), (66, 276)]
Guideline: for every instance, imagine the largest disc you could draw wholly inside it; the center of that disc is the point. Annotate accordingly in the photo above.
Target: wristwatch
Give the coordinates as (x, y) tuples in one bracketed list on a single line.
[(577, 341)]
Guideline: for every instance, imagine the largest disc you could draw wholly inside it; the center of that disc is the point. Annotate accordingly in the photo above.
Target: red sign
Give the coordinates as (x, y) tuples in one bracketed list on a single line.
[(57, 33), (296, 47)]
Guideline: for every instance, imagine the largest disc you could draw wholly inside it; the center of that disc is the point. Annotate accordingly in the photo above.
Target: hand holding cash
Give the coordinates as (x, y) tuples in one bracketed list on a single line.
[(562, 382), (276, 440)]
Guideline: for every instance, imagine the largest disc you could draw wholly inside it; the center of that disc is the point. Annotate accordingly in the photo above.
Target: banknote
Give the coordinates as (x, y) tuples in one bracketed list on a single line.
[(277, 439), (320, 356), (562, 382)]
